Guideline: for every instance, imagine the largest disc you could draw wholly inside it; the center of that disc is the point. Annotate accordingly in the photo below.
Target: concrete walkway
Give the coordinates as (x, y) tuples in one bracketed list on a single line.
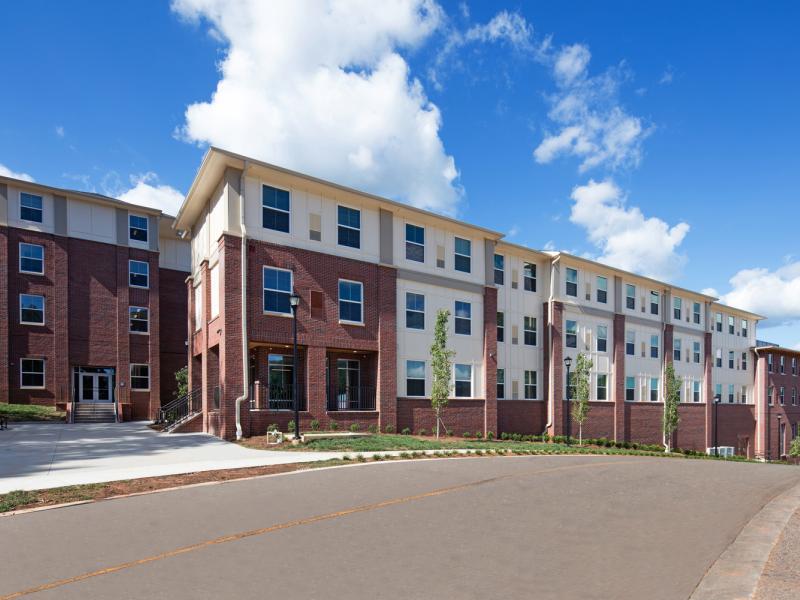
[(47, 455)]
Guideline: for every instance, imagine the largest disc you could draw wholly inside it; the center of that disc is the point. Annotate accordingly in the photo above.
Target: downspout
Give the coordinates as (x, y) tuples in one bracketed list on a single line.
[(551, 400), (243, 261)]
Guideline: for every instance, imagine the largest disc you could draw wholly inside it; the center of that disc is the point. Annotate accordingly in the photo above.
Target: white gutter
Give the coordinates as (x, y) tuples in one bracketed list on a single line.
[(551, 401), (243, 260)]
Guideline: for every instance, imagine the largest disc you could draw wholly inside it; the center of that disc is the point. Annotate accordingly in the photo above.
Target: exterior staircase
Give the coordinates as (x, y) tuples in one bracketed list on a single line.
[(94, 412), (180, 411)]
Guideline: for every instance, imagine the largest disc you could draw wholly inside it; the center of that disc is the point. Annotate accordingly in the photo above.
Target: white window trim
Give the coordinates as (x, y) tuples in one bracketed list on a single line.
[(41, 197), (534, 331), (19, 250), (406, 241), (44, 311), (534, 385), (457, 253), (424, 377), (407, 310), (44, 375), (471, 382), (146, 230), (339, 303), (358, 229), (467, 319), (130, 377), (141, 287), (131, 319), (263, 206), (264, 288)]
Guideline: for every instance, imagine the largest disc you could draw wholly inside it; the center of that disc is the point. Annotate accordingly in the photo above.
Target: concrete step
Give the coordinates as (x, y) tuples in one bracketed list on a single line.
[(94, 413)]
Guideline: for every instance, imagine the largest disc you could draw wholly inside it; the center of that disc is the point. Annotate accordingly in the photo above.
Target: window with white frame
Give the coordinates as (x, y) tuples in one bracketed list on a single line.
[(731, 325), (794, 366), (602, 338), (769, 362), (137, 228), (529, 333), (718, 391), (571, 337), (655, 300), (676, 349), (770, 392), (31, 259), (695, 391), (214, 291), (572, 282), (718, 359), (783, 364), (630, 343), (463, 255), (501, 383), (140, 377), (138, 319), (718, 322), (31, 207), (744, 361), (696, 352), (602, 289), (731, 393), (415, 243), (781, 395), (275, 208), (630, 389), (463, 379), (499, 269), (677, 308), (630, 296), (463, 318), (415, 311), (351, 300), (31, 309), (743, 396), (696, 313), (654, 346), (602, 386), (415, 378), (731, 359), (31, 373), (501, 327), (531, 391), (349, 222), (138, 274), (277, 290), (529, 276), (654, 389), (744, 328)]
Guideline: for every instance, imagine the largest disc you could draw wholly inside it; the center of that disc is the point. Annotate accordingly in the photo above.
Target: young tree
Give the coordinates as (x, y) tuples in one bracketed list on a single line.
[(672, 398), (794, 448), (182, 379), (581, 377), (441, 367)]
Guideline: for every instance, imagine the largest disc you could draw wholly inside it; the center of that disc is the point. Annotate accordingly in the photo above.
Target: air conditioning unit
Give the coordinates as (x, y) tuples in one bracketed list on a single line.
[(723, 451)]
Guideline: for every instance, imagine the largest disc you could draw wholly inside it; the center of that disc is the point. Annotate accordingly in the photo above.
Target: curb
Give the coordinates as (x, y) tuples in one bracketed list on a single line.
[(735, 574)]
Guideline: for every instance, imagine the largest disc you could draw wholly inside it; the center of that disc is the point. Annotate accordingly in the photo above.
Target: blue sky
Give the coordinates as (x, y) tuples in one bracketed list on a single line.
[(675, 126)]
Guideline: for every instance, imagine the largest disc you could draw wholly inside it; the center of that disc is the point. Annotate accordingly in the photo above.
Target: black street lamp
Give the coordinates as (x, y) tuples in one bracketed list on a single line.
[(717, 400), (568, 364), (294, 300), (780, 438)]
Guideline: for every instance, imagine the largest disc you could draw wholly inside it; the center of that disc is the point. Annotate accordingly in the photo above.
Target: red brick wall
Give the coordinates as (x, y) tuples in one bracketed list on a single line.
[(618, 377), (459, 415), (521, 416), (557, 360), (790, 414), (4, 315), (643, 422), (173, 311), (736, 423), (599, 423), (490, 357), (691, 432)]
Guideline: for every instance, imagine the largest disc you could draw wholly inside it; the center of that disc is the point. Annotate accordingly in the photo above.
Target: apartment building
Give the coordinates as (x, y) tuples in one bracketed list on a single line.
[(371, 274), (777, 382), (92, 301)]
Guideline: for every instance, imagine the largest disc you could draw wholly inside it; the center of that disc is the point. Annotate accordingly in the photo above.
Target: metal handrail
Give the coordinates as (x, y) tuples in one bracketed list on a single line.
[(180, 408), (351, 397), (277, 397)]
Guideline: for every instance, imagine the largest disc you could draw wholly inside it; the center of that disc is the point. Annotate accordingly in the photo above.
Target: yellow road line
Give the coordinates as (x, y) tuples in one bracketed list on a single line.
[(295, 523)]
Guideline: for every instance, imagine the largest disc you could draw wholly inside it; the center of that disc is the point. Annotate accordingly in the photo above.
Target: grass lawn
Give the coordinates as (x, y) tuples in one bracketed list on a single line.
[(30, 412)]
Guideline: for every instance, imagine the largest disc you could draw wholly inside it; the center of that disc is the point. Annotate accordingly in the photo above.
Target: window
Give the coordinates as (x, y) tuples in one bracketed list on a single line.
[(277, 289), (630, 343), (415, 311), (731, 393), (463, 255), (655, 300), (630, 389), (602, 338), (794, 396), (31, 309), (31, 259), (718, 322), (572, 334), (696, 391), (572, 282), (677, 306), (718, 360), (730, 359), (770, 392), (501, 383), (696, 352), (138, 274), (602, 289), (139, 319), (781, 394), (499, 269), (630, 296), (696, 313), (654, 389), (501, 327), (653, 346), (275, 209), (602, 386), (140, 377), (415, 378), (529, 276), (794, 366), (769, 363), (676, 349), (744, 328), (744, 361), (30, 207), (529, 325), (744, 395), (783, 364), (349, 220), (731, 325), (137, 228), (31, 373), (530, 385), (415, 243), (463, 376), (718, 391), (350, 301), (463, 318)]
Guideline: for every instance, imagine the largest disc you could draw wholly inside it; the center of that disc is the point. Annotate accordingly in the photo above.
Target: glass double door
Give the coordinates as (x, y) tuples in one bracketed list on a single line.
[(94, 387)]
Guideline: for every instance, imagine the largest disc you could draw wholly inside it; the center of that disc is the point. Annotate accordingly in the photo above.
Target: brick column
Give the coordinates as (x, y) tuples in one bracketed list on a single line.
[(618, 378), (4, 315), (490, 358), (154, 345), (762, 411), (202, 331), (667, 359), (190, 370), (546, 357), (315, 384), (60, 291), (387, 347), (708, 387), (122, 333), (231, 376), (557, 395)]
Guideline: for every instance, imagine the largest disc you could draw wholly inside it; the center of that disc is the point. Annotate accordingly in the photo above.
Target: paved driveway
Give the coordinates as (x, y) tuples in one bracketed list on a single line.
[(47, 455)]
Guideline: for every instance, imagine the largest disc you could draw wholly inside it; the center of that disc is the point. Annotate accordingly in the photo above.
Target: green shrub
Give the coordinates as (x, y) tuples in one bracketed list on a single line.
[(422, 432), (355, 427), (314, 425), (373, 428), (406, 431), (290, 426), (360, 458), (272, 427), (478, 435), (347, 457), (405, 455), (377, 457), (466, 435), (504, 436), (334, 426), (389, 428), (490, 435)]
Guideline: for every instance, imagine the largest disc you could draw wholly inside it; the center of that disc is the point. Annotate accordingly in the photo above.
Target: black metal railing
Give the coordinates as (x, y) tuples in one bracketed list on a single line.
[(180, 408), (351, 397), (277, 397)]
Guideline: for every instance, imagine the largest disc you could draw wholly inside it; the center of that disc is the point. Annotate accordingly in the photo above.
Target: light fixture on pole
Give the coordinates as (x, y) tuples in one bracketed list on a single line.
[(568, 364), (294, 300)]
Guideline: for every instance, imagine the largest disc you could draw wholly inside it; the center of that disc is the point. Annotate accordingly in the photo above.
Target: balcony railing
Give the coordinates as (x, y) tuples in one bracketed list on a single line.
[(277, 397), (358, 397)]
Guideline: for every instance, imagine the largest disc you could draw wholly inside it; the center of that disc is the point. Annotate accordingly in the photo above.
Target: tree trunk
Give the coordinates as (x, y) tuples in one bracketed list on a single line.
[(437, 423)]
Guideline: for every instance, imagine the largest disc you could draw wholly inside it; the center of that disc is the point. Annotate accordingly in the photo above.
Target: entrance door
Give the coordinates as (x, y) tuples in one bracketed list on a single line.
[(348, 382), (95, 387)]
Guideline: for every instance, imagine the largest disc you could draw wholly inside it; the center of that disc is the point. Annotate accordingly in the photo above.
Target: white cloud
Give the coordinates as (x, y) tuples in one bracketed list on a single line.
[(60, 131), (571, 62), (6, 172), (147, 191), (513, 232), (667, 76), (321, 87), (625, 237), (709, 291), (772, 293)]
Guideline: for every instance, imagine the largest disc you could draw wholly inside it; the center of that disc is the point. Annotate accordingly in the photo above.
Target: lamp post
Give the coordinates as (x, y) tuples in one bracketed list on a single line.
[(717, 400), (294, 300), (568, 364), (780, 437)]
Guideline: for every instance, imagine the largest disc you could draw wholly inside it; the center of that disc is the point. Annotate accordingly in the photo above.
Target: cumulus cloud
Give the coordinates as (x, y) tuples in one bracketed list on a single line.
[(626, 238), (667, 76), (147, 191), (60, 131), (590, 123), (322, 87), (6, 172), (772, 293)]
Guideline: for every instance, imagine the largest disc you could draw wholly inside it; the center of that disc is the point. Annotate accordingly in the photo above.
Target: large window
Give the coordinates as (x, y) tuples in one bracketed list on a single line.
[(744, 328), (794, 365), (463, 255), (794, 396), (630, 389), (731, 325), (30, 207), (415, 311), (277, 290), (463, 320), (676, 349), (501, 383), (602, 386), (732, 394), (630, 343), (275, 207), (349, 220), (463, 377), (602, 338), (781, 395), (696, 391), (137, 228), (138, 274), (655, 300), (138, 319), (31, 309), (415, 243), (654, 346), (140, 377), (677, 309), (351, 298), (531, 391), (769, 362), (415, 378), (743, 394), (654, 389), (501, 327), (572, 282), (718, 358), (530, 331), (744, 361), (783, 364), (31, 373), (499, 269), (529, 276), (731, 359), (572, 334), (718, 322), (602, 289), (696, 313), (696, 352), (630, 296), (31, 259)]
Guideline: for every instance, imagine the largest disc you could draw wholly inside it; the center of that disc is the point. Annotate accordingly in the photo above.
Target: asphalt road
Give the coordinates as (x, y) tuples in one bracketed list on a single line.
[(523, 527)]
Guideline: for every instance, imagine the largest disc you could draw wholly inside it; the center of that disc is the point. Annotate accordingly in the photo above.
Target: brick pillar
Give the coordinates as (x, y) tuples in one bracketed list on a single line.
[(667, 358), (558, 424), (122, 334), (708, 388), (546, 357), (4, 316), (315, 384), (490, 358), (387, 347), (154, 341), (60, 300), (191, 371), (205, 355), (761, 400), (231, 376), (618, 378)]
